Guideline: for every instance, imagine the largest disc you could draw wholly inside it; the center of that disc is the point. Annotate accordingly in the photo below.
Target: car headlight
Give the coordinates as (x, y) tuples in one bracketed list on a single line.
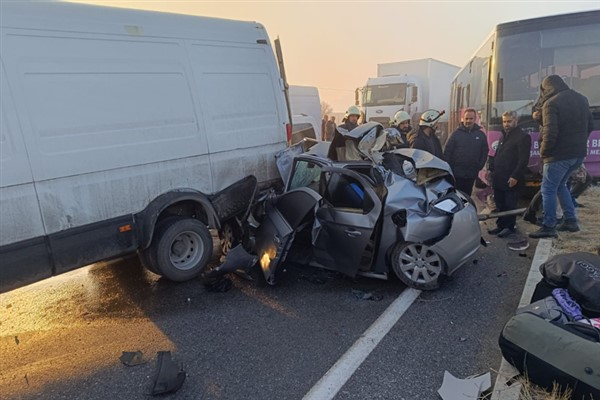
[(447, 205)]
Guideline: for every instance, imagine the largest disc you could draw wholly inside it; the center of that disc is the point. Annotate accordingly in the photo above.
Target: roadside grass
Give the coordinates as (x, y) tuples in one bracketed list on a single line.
[(588, 238)]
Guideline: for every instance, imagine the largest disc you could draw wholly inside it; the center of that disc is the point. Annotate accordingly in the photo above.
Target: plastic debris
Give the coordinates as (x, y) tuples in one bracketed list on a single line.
[(362, 295), (169, 378), (464, 389)]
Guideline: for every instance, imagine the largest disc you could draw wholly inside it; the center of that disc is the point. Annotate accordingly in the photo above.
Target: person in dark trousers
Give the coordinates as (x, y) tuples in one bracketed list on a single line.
[(566, 125), (324, 126), (424, 137), (466, 151), (330, 129), (507, 169)]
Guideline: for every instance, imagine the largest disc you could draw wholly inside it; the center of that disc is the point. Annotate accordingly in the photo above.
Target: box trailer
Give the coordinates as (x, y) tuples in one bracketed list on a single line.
[(413, 86)]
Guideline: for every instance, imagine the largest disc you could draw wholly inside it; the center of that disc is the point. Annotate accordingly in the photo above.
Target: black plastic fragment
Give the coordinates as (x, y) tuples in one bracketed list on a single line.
[(169, 378)]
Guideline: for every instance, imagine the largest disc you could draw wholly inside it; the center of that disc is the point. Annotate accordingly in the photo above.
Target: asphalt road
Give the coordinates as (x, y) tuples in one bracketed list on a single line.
[(62, 338)]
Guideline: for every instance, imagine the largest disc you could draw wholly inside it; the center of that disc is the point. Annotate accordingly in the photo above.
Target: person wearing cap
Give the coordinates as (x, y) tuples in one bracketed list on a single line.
[(351, 119), (424, 136), (466, 151)]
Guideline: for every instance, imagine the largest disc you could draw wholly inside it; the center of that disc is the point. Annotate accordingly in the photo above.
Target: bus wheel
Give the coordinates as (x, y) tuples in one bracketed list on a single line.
[(181, 248)]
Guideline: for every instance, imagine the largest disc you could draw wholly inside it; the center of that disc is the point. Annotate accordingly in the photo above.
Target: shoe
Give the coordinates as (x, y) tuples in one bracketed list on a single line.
[(495, 231), (505, 232), (569, 225), (544, 232), (519, 245)]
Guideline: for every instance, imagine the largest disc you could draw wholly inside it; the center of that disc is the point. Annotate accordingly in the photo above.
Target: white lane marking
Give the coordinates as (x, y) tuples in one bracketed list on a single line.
[(337, 376), (506, 371)]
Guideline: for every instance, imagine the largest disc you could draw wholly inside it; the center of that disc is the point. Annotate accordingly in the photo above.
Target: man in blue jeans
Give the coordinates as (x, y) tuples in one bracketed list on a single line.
[(566, 124)]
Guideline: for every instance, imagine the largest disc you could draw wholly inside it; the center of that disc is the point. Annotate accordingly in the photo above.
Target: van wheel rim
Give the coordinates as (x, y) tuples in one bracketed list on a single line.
[(419, 263), (186, 250)]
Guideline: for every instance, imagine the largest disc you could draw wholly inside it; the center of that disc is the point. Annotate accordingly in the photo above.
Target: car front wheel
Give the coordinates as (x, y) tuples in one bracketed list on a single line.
[(417, 265)]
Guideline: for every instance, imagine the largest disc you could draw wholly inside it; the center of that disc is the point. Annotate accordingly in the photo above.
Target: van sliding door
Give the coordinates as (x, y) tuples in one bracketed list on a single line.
[(22, 242)]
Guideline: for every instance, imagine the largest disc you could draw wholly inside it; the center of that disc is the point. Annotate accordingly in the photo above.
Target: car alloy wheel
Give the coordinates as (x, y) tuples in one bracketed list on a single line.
[(417, 265)]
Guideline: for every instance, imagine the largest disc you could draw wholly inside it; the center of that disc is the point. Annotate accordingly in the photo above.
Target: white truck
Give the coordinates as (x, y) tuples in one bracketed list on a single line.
[(120, 129), (305, 106), (413, 86)]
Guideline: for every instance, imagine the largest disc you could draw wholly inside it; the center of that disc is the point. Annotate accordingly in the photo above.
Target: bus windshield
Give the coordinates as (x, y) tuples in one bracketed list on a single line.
[(524, 59), (385, 95)]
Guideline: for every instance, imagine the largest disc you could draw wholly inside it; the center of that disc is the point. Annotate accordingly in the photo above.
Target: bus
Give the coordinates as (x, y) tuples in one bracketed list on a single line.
[(506, 72)]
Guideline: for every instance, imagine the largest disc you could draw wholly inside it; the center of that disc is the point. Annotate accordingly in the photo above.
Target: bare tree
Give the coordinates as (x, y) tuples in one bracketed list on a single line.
[(326, 108)]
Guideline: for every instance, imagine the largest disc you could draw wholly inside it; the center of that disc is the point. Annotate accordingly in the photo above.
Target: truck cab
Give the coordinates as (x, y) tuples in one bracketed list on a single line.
[(383, 97)]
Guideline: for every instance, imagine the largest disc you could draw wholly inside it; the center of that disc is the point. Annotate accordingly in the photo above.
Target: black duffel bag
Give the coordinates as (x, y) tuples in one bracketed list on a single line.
[(579, 273)]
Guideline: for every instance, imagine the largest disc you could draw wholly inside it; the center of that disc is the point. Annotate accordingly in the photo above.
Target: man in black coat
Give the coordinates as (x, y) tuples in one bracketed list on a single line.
[(466, 151), (566, 125), (424, 138), (507, 169)]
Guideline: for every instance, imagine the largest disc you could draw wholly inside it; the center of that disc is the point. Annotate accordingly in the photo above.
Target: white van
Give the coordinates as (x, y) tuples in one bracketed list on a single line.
[(305, 101), (118, 127)]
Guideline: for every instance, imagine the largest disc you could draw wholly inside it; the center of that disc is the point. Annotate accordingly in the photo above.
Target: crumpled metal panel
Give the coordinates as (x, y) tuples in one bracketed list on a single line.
[(462, 241)]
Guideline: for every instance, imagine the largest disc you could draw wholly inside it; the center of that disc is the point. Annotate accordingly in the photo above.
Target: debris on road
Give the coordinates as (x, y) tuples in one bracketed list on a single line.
[(169, 378), (132, 358), (218, 285), (464, 389), (362, 295)]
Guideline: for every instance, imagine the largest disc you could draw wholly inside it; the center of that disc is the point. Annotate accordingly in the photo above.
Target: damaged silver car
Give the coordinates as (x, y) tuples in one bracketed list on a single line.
[(348, 206)]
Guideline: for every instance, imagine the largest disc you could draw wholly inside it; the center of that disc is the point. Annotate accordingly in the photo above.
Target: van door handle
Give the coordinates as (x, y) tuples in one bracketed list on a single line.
[(353, 232)]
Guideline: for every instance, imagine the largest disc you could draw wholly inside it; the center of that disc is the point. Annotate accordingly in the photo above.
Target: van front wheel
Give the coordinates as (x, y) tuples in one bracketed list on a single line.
[(181, 248)]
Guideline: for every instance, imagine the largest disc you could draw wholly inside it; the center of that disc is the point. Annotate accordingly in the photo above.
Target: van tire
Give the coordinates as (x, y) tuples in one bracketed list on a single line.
[(144, 256), (180, 249)]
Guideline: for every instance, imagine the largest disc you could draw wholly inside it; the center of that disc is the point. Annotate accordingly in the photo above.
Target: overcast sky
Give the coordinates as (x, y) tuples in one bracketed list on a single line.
[(336, 45)]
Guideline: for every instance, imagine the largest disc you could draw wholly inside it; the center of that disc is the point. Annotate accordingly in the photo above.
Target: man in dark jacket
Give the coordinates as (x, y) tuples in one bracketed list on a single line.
[(466, 152), (507, 169), (567, 122), (424, 137)]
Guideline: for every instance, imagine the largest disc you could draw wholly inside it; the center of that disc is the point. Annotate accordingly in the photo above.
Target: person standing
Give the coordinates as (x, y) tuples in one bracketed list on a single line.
[(507, 169), (566, 124), (466, 151), (330, 129), (324, 126), (424, 136), (351, 120)]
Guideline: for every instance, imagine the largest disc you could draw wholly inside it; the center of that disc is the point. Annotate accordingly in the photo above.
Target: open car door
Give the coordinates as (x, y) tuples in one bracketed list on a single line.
[(345, 220)]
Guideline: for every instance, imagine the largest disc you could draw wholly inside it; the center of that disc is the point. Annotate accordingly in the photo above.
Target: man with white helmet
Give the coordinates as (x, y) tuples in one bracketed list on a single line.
[(351, 119), (424, 138), (399, 128)]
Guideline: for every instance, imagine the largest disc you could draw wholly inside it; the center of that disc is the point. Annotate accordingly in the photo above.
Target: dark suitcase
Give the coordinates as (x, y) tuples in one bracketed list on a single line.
[(579, 273), (549, 351)]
